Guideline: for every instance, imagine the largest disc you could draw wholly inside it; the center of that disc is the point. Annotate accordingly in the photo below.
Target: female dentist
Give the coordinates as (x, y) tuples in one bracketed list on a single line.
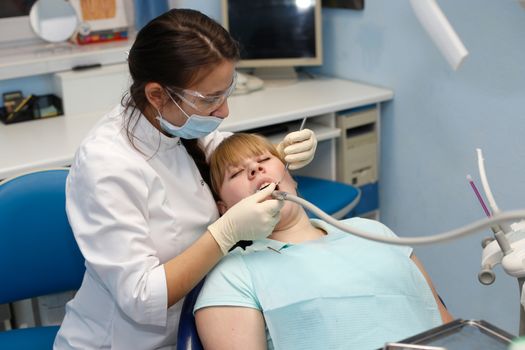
[(137, 196)]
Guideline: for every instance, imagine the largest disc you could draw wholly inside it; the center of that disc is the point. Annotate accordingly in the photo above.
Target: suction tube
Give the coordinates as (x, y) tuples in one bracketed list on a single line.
[(497, 218)]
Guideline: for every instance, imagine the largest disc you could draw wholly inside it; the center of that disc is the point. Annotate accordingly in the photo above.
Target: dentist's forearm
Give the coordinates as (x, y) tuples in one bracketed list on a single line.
[(186, 270)]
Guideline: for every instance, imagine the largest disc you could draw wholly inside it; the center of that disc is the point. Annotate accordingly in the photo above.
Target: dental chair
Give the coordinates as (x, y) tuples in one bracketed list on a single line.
[(38, 253), (337, 199), (187, 336)]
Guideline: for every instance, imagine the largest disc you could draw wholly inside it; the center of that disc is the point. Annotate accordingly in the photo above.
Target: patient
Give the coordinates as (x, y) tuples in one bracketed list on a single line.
[(309, 285)]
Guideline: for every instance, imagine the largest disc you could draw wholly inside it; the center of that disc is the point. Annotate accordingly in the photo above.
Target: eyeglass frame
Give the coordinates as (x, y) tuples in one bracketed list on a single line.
[(221, 98)]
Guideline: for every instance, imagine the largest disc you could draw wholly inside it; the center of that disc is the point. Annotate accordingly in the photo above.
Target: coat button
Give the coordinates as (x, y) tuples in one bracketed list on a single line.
[(202, 182)]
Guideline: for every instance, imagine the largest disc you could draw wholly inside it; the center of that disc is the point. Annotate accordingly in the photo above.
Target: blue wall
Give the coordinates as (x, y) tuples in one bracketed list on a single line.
[(431, 129), (36, 85)]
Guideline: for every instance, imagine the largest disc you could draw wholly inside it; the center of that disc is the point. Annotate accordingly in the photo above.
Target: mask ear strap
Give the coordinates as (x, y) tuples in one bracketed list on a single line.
[(159, 115), (176, 104)]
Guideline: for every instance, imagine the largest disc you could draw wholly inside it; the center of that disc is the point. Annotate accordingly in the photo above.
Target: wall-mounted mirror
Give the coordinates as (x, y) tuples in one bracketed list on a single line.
[(53, 20)]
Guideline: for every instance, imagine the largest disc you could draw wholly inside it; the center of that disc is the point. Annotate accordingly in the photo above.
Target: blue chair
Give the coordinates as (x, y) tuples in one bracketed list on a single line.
[(38, 253), (334, 198), (187, 337)]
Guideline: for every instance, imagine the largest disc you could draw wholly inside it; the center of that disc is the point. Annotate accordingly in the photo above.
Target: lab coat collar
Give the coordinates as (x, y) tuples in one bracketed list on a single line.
[(150, 139)]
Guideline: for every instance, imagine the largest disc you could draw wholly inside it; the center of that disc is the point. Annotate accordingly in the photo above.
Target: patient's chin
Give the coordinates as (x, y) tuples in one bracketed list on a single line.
[(287, 212)]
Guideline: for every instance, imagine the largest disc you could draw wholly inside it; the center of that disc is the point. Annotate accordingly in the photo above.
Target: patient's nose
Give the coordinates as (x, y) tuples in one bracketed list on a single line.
[(254, 169)]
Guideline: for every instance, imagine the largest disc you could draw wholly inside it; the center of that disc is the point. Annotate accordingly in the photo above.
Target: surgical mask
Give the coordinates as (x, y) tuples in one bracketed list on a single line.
[(196, 126)]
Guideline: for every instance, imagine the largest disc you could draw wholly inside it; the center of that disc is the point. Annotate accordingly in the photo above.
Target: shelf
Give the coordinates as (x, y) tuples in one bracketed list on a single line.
[(45, 58)]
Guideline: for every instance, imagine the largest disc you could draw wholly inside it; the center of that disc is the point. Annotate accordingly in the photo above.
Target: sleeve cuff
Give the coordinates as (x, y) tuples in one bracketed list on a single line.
[(157, 308)]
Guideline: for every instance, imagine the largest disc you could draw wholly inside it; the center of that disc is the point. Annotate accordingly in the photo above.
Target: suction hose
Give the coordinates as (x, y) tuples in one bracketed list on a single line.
[(497, 218)]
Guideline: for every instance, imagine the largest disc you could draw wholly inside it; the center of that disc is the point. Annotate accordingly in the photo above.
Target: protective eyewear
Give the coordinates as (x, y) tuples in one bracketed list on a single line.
[(204, 103)]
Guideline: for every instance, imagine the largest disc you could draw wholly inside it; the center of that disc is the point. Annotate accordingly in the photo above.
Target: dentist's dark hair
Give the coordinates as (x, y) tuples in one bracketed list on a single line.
[(175, 50)]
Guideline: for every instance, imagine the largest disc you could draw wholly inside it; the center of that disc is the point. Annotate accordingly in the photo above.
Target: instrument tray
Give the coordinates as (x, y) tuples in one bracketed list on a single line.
[(457, 335)]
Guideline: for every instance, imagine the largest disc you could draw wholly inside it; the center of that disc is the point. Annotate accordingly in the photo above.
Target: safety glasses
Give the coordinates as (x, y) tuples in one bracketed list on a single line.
[(204, 103)]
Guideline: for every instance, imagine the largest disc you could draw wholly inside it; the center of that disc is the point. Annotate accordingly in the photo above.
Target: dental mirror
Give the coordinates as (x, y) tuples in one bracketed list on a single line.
[(53, 20)]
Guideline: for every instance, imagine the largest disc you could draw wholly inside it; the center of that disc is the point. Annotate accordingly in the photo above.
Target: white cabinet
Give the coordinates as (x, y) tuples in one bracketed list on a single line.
[(91, 90)]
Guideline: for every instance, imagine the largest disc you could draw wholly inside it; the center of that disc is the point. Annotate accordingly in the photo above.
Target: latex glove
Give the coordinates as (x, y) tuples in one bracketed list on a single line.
[(252, 218), (298, 148)]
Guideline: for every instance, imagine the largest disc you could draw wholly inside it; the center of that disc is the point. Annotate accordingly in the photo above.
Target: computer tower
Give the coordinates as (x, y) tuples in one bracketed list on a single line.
[(357, 148)]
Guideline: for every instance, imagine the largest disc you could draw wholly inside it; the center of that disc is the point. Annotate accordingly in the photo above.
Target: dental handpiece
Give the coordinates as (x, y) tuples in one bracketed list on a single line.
[(496, 218), (300, 128), (288, 164)]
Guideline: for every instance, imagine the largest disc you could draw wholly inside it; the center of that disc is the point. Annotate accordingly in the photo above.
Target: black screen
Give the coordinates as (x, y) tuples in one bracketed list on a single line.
[(15, 8), (267, 29)]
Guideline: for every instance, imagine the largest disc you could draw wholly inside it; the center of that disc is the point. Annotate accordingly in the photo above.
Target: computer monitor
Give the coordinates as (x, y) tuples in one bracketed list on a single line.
[(275, 33)]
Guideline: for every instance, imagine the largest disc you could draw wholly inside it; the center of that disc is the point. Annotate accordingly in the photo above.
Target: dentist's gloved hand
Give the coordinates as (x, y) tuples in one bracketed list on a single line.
[(252, 218), (298, 148)]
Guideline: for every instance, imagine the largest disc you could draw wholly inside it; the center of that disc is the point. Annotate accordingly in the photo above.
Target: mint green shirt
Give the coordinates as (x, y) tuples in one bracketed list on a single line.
[(337, 292)]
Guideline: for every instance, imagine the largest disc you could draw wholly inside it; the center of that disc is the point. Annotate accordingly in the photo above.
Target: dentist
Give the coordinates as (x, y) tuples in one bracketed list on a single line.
[(137, 195)]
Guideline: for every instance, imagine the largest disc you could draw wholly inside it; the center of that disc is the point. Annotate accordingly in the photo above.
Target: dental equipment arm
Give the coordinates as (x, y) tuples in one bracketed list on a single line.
[(488, 192), (493, 251), (441, 237), (508, 248), (440, 31)]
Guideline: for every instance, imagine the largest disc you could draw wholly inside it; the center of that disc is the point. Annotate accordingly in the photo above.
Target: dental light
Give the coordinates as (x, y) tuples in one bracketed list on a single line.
[(437, 26)]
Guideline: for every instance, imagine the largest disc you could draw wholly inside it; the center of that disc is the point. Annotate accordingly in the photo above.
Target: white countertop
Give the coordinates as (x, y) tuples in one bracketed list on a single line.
[(279, 104), (52, 142)]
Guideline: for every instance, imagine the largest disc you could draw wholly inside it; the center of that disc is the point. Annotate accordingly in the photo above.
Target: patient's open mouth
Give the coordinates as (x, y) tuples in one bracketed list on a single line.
[(266, 184)]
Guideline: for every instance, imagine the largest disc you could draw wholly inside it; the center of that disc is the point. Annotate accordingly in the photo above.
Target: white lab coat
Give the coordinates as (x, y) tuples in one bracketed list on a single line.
[(130, 213)]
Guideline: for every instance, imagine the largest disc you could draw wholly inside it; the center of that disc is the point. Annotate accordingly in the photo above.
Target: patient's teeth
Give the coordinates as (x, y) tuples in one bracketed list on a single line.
[(263, 186)]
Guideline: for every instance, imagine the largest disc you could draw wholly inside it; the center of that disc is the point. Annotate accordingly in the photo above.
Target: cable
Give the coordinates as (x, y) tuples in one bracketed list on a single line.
[(441, 237)]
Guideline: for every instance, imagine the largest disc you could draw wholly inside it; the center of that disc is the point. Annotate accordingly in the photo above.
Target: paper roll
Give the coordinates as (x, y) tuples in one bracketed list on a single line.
[(437, 26)]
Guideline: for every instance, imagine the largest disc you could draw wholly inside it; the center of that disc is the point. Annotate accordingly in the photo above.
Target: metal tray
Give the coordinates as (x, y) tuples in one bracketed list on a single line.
[(457, 335)]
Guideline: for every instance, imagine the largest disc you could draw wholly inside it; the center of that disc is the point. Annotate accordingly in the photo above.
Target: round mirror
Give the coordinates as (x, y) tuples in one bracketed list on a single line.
[(53, 20)]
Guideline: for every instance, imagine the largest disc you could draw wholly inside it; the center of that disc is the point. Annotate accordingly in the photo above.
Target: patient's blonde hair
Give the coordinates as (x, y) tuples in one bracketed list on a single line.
[(232, 151)]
